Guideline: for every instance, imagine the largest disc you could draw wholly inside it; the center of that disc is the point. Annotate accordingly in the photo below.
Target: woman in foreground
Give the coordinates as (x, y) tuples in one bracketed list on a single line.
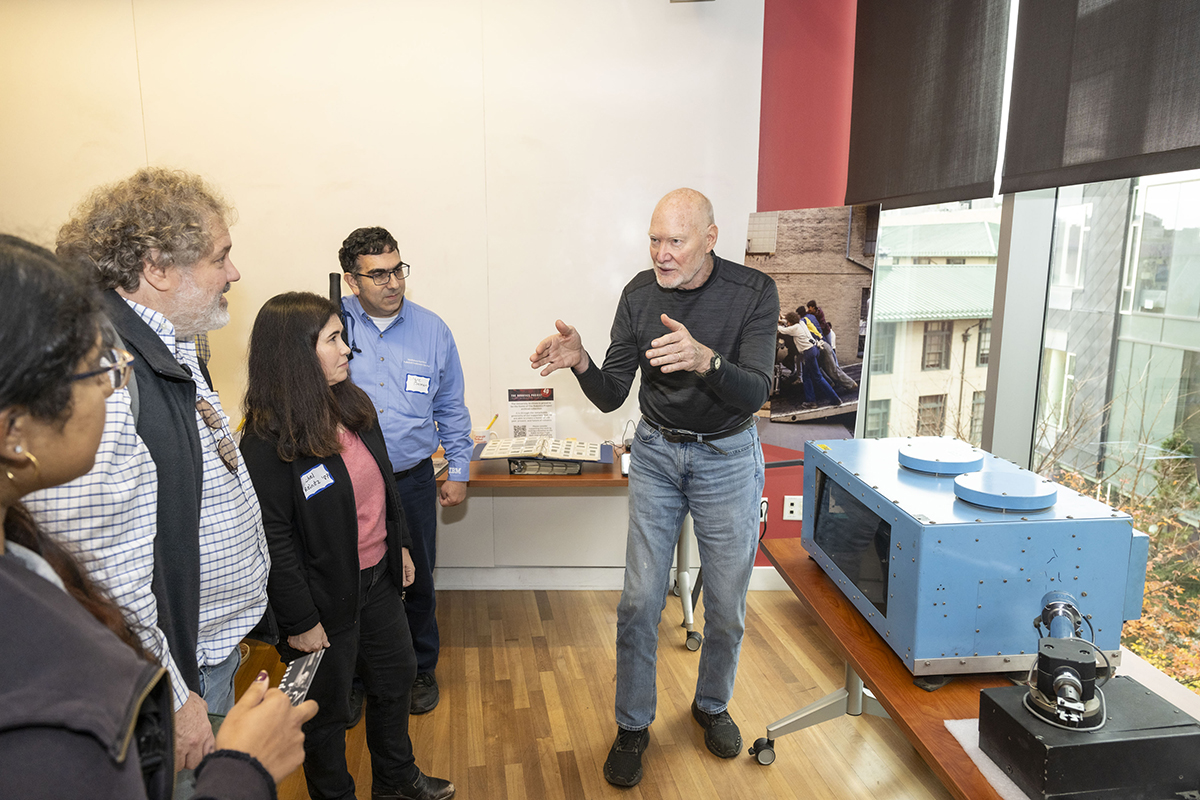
[(338, 540), (83, 713)]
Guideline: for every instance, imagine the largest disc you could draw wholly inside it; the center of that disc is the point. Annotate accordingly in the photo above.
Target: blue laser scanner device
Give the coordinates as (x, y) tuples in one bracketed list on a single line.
[(947, 550)]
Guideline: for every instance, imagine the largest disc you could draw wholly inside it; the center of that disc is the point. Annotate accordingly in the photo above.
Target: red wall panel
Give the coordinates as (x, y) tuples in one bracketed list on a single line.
[(807, 82)]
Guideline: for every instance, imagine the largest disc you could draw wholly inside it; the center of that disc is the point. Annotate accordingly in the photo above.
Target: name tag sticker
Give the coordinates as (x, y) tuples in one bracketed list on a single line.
[(417, 383), (315, 481)]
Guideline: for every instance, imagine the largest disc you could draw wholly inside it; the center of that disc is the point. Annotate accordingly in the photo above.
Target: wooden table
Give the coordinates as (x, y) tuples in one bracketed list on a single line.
[(919, 714), (493, 474)]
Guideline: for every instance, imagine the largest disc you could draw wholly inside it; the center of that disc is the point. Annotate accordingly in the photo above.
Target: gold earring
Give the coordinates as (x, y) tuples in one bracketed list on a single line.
[(37, 468)]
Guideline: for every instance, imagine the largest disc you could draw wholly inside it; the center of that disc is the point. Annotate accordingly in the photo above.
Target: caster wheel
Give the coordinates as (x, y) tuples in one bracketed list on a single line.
[(763, 751), (694, 640), (675, 589)]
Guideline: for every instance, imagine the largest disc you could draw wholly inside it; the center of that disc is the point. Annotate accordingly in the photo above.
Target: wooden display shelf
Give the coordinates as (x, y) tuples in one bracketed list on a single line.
[(921, 715)]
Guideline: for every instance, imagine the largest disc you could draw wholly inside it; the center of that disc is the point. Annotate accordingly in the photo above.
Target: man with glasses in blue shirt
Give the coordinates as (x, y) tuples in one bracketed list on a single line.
[(405, 359)]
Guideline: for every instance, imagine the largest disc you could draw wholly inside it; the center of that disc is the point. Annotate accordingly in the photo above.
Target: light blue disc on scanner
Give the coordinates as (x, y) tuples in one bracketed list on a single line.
[(937, 456), (1006, 491)]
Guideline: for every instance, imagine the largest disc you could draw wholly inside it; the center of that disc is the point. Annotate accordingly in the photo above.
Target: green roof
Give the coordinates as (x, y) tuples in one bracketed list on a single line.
[(933, 291), (952, 239)]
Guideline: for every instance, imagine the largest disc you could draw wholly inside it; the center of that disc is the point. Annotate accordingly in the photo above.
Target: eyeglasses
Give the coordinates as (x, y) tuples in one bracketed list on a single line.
[(383, 277), (226, 449), (117, 363)]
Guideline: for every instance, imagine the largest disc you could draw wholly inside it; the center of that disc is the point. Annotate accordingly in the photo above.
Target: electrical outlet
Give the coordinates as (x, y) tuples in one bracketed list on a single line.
[(762, 510), (793, 506)]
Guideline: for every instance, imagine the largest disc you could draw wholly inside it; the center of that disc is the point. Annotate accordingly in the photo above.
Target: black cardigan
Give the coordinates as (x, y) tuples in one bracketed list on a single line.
[(314, 541)]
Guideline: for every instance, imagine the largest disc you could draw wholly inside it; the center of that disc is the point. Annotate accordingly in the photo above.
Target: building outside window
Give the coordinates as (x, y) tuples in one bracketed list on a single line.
[(935, 351), (878, 412), (931, 415), (934, 282), (1119, 397)]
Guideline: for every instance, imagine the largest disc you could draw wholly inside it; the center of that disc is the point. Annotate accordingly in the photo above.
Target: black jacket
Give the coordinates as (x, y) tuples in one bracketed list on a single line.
[(81, 715), (166, 422), (314, 541)]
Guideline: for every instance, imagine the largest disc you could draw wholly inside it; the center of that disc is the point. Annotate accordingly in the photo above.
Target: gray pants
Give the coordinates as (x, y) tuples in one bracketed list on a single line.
[(829, 364)]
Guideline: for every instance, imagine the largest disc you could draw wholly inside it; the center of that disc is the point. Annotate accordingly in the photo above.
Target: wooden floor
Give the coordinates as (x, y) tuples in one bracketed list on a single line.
[(527, 683)]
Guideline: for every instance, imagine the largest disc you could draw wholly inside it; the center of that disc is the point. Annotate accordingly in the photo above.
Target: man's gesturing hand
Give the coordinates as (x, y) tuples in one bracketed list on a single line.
[(678, 351), (560, 351)]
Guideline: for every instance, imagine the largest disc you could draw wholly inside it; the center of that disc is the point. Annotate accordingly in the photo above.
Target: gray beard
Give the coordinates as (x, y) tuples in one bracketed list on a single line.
[(194, 312)]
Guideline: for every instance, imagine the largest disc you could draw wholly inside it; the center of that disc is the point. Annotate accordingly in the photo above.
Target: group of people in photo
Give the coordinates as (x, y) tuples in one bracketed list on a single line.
[(809, 357), (144, 538)]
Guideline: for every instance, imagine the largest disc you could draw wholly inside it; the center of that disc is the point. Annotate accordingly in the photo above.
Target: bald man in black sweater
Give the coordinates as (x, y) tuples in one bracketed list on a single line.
[(702, 331)]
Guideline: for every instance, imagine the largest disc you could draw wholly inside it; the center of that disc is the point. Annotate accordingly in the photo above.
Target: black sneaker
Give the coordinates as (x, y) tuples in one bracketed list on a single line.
[(423, 788), (623, 767), (721, 734), (424, 694)]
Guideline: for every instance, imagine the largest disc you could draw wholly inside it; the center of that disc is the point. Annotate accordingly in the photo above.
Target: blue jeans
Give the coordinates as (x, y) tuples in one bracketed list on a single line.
[(722, 492), (419, 498), (815, 382), (378, 649), (216, 687)]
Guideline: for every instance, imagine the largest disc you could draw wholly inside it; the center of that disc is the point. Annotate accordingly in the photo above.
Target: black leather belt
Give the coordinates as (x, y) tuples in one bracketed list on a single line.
[(404, 473), (677, 436)]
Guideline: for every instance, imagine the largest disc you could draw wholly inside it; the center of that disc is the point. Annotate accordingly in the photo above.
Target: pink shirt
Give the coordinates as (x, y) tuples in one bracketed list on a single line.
[(370, 498)]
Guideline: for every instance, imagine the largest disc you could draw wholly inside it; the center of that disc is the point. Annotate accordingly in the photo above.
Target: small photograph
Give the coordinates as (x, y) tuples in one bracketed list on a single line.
[(822, 260)]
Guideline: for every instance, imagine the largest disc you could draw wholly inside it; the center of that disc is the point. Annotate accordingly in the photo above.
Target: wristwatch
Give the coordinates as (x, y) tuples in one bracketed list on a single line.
[(713, 365)]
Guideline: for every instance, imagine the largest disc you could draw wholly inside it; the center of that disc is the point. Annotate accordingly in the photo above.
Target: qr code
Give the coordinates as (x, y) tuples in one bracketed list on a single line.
[(519, 431)]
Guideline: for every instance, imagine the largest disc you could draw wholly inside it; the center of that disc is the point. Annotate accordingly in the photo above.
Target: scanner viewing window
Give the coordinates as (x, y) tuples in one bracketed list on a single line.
[(855, 538)]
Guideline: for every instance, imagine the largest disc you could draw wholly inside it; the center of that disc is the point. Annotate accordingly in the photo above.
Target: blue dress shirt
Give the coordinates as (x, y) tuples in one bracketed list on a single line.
[(411, 371)]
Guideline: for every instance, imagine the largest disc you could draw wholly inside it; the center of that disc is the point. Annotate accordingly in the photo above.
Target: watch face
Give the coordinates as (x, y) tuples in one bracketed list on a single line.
[(716, 363)]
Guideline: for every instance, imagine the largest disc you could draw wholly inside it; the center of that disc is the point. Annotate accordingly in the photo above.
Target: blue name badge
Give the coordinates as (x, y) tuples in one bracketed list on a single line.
[(315, 481)]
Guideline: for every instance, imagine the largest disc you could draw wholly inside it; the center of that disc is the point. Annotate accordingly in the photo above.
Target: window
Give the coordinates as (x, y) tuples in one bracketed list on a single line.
[(984, 346), (878, 412), (954, 262), (1164, 236), (976, 432), (922, 260), (931, 415), (935, 352), (1072, 219), (1057, 387), (883, 348)]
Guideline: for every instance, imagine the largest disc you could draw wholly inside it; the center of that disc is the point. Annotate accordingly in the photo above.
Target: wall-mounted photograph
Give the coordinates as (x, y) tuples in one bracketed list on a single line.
[(822, 260)]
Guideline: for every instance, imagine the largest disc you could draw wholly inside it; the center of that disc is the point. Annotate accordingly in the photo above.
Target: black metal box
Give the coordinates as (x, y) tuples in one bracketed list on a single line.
[(1147, 750)]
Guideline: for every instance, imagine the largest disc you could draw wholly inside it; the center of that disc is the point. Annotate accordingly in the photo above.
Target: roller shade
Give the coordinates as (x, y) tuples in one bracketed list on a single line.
[(925, 115), (1102, 89)]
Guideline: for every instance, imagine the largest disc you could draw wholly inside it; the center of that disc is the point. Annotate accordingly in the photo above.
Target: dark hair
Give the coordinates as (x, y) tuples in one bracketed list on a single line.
[(288, 398), (365, 242), (811, 304), (792, 317), (51, 324)]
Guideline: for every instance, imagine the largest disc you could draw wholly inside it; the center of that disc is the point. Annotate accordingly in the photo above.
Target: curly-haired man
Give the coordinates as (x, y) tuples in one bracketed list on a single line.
[(167, 520)]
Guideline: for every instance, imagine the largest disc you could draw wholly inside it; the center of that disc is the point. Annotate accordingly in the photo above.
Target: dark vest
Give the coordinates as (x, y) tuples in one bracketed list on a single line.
[(166, 422)]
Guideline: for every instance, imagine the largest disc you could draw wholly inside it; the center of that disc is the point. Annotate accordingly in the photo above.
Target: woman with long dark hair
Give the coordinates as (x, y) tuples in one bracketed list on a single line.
[(83, 713), (339, 543)]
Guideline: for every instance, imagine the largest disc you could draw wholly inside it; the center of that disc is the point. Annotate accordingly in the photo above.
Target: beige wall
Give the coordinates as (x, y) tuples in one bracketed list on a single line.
[(515, 149)]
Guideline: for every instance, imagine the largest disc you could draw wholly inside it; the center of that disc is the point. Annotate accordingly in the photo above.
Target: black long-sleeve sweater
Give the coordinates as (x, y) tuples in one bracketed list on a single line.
[(735, 313)]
